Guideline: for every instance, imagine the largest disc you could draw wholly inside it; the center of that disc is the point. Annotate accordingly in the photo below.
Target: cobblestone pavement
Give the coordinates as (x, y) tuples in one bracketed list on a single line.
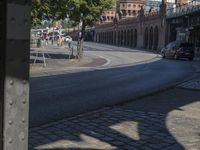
[(193, 84), (165, 121)]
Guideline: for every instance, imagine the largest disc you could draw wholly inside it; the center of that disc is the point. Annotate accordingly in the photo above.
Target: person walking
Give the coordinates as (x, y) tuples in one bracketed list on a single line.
[(59, 42)]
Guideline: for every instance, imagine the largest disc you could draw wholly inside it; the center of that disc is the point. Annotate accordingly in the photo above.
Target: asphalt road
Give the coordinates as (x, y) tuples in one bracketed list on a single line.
[(55, 97)]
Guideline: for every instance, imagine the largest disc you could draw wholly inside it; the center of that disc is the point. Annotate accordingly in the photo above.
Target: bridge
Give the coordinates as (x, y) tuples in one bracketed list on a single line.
[(153, 30), (188, 8), (184, 22)]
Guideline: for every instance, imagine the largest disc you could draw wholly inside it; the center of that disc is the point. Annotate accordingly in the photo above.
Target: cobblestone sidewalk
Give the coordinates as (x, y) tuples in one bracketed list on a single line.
[(105, 129), (193, 84), (167, 121)]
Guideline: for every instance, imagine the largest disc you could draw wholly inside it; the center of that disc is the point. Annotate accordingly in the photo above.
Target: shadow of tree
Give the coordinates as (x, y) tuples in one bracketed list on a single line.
[(114, 127), (53, 55), (119, 127)]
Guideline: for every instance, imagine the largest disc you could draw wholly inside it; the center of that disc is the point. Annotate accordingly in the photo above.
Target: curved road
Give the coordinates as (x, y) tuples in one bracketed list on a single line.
[(55, 97)]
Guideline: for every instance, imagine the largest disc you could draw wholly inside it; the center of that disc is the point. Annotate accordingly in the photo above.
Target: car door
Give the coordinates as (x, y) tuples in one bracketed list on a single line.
[(172, 49), (167, 50)]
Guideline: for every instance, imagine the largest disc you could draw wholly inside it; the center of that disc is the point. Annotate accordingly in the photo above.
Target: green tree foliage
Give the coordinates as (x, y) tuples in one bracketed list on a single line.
[(87, 11), (91, 10), (68, 23), (48, 10)]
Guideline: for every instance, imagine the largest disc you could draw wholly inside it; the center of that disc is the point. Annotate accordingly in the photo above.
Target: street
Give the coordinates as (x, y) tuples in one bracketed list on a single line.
[(67, 94), (100, 75)]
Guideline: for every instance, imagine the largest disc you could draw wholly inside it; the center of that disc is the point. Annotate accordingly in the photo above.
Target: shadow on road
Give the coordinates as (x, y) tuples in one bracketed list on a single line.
[(116, 128), (50, 56), (111, 128)]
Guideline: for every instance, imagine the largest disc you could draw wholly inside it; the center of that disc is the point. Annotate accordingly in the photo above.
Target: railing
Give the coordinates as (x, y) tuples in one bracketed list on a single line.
[(185, 9)]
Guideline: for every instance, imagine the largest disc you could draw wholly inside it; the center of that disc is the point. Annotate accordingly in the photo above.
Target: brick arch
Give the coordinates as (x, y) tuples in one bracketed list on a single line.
[(135, 38), (151, 38), (111, 39), (131, 44), (114, 37), (128, 38), (119, 38), (156, 37), (146, 38), (122, 38), (125, 38)]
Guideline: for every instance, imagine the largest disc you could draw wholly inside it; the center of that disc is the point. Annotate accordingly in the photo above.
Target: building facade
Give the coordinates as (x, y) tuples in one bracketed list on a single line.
[(126, 8), (109, 15), (130, 8), (155, 4), (153, 30)]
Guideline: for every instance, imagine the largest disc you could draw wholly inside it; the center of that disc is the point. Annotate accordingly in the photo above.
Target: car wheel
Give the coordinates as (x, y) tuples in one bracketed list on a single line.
[(163, 55), (176, 56), (190, 59)]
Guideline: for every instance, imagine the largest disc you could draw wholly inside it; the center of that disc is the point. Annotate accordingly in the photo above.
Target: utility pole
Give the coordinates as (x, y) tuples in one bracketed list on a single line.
[(14, 73)]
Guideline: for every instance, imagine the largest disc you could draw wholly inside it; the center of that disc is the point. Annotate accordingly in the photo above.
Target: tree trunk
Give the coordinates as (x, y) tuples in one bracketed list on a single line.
[(80, 51)]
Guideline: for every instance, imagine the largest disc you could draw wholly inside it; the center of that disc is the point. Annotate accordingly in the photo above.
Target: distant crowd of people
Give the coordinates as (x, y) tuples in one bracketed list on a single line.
[(43, 40)]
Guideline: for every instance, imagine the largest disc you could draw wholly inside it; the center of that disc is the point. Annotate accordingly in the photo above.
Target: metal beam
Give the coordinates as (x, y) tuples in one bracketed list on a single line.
[(14, 73)]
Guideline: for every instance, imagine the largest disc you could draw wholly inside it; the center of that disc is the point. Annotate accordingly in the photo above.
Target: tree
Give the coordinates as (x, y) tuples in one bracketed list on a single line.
[(68, 23), (50, 10), (88, 12)]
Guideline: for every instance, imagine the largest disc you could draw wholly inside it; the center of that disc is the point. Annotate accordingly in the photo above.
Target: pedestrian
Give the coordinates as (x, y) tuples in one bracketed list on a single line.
[(59, 41), (46, 40)]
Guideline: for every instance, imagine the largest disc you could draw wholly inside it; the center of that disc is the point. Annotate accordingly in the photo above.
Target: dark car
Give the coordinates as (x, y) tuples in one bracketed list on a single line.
[(178, 50)]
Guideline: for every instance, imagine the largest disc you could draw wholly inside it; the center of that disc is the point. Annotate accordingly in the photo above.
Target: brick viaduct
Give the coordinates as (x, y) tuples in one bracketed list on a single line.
[(145, 31)]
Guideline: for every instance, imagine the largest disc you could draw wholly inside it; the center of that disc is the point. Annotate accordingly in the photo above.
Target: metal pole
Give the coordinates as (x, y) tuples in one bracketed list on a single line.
[(14, 74), (2, 69)]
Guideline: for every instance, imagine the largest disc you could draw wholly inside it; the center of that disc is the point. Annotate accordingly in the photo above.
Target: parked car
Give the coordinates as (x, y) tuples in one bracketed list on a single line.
[(178, 50)]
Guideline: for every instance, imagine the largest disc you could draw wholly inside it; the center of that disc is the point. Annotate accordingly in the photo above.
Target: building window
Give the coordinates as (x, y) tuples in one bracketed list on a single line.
[(104, 18), (129, 12), (134, 13), (124, 12), (129, 5)]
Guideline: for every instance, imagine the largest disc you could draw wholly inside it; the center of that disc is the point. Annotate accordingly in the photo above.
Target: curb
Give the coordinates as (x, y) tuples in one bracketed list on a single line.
[(101, 67)]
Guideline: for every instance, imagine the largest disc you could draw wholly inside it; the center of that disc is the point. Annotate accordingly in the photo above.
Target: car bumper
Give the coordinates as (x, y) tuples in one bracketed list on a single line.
[(185, 55)]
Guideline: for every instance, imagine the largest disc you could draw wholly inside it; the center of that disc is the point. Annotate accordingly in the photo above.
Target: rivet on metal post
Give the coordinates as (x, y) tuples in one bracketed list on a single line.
[(11, 102), (10, 122), (10, 140), (24, 101), (11, 82), (23, 120)]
